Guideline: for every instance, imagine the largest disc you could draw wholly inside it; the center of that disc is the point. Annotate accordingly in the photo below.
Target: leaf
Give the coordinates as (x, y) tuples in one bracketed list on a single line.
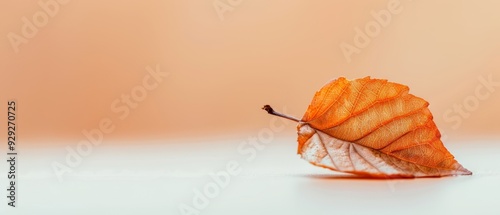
[(374, 128)]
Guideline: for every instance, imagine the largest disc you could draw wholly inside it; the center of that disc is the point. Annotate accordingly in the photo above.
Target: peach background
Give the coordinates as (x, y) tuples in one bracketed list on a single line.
[(221, 72)]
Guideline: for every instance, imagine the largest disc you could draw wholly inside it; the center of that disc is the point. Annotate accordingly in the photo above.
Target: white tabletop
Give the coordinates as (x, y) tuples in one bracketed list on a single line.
[(159, 177)]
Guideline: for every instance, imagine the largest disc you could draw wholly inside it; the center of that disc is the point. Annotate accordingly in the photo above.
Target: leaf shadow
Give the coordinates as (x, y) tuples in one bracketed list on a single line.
[(351, 177)]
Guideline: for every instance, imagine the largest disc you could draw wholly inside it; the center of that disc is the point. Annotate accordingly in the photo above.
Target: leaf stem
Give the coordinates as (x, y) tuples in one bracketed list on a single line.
[(271, 111)]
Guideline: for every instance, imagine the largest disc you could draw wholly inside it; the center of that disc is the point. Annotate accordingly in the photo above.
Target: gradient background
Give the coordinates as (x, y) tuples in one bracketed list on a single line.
[(221, 72)]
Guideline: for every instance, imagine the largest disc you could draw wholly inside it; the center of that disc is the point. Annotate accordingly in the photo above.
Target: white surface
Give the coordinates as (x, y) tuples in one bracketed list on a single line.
[(156, 177)]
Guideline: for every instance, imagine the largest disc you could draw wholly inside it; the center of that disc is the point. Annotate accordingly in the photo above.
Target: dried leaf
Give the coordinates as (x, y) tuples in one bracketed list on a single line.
[(375, 128)]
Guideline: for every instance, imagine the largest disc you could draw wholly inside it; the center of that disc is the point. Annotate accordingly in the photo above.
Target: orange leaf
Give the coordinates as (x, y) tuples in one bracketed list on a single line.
[(374, 128)]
